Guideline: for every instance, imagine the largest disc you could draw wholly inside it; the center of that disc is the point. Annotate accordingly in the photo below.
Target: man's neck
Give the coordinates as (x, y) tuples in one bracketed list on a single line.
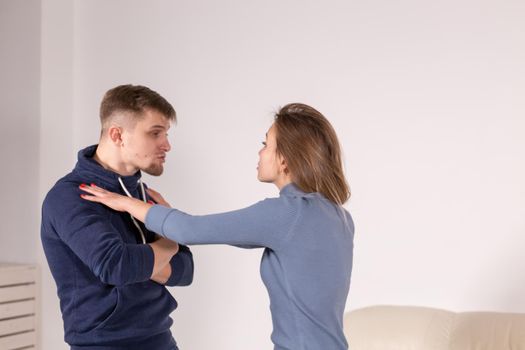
[(110, 159)]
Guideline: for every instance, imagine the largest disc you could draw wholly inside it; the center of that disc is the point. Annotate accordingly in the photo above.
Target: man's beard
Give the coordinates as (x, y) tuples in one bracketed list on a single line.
[(154, 170)]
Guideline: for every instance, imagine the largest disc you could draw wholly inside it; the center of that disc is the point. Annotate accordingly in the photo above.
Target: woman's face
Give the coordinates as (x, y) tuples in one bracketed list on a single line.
[(270, 166)]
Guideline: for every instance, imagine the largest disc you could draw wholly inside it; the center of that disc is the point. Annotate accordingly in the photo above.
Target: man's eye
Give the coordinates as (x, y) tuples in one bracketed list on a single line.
[(264, 143)]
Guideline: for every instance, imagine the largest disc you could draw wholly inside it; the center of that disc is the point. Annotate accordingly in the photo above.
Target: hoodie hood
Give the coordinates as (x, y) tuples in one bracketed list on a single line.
[(89, 169)]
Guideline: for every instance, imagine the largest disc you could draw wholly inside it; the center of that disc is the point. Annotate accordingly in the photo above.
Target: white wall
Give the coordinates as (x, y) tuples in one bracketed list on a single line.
[(57, 153), (427, 99), (19, 132)]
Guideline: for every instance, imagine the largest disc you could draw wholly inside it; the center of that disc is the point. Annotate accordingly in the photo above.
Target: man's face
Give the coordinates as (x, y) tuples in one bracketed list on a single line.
[(145, 145)]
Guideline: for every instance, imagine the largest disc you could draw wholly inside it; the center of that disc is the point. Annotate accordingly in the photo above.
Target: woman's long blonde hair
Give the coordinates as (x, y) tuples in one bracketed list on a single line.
[(309, 145)]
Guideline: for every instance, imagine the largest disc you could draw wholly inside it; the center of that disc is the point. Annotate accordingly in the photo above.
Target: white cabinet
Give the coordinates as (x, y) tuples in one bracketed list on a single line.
[(19, 306)]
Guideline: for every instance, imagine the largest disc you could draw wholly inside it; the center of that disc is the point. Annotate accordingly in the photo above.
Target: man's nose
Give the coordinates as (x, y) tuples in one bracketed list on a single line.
[(166, 145)]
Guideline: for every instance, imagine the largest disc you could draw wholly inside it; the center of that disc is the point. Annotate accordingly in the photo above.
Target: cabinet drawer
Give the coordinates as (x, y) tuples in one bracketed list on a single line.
[(14, 293), (17, 341), (10, 275), (19, 308), (17, 325)]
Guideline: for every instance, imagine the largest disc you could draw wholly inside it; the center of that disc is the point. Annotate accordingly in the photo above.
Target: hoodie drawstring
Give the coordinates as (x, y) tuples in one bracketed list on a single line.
[(130, 196)]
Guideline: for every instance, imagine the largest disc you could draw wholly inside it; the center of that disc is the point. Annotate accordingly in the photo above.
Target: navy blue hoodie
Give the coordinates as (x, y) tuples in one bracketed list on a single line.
[(101, 268)]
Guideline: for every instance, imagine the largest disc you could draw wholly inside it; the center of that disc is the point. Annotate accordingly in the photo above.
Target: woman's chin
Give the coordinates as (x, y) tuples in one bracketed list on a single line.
[(263, 179)]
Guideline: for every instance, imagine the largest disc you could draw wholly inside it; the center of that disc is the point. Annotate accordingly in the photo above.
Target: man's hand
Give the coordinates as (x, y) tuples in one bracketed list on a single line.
[(163, 276), (163, 250), (164, 245)]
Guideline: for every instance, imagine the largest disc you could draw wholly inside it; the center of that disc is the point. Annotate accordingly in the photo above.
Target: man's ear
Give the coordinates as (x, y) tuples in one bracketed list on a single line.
[(115, 134)]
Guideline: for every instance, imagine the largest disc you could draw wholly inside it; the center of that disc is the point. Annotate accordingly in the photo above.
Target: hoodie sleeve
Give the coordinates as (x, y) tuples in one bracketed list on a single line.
[(264, 224), (85, 227), (181, 268)]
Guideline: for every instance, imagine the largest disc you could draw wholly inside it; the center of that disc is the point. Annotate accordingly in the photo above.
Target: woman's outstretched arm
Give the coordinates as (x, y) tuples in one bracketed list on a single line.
[(264, 224)]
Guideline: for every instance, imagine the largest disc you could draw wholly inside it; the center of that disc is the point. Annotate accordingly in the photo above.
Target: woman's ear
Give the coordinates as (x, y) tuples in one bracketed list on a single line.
[(283, 167)]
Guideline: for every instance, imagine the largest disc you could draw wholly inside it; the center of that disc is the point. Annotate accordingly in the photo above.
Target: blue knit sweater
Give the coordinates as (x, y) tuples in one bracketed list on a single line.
[(306, 265), (101, 269)]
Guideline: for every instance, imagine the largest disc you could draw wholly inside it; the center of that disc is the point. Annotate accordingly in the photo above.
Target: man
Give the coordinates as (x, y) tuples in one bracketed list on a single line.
[(109, 269)]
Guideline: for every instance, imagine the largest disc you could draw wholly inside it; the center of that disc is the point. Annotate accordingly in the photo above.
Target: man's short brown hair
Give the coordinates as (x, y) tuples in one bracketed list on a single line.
[(133, 100)]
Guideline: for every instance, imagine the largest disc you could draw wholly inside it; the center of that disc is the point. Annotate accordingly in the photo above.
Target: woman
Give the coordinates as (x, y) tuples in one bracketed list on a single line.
[(306, 233)]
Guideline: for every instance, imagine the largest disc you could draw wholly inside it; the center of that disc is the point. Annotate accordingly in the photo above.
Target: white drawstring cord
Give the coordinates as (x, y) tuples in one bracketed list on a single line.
[(130, 196)]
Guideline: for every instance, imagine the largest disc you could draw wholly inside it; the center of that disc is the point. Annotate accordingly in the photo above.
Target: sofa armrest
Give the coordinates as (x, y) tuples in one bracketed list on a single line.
[(488, 331), (398, 328)]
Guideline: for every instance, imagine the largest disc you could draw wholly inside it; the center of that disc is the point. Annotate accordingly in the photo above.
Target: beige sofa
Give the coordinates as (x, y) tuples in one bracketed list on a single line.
[(418, 328)]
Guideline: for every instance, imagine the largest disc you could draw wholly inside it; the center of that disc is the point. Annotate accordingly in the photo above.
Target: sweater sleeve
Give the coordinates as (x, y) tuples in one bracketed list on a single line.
[(86, 229), (264, 224)]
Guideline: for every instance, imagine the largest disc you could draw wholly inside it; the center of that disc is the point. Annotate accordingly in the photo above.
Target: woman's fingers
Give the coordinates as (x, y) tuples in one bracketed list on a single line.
[(97, 193), (100, 195), (157, 197), (94, 190), (152, 192), (87, 188), (90, 198)]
